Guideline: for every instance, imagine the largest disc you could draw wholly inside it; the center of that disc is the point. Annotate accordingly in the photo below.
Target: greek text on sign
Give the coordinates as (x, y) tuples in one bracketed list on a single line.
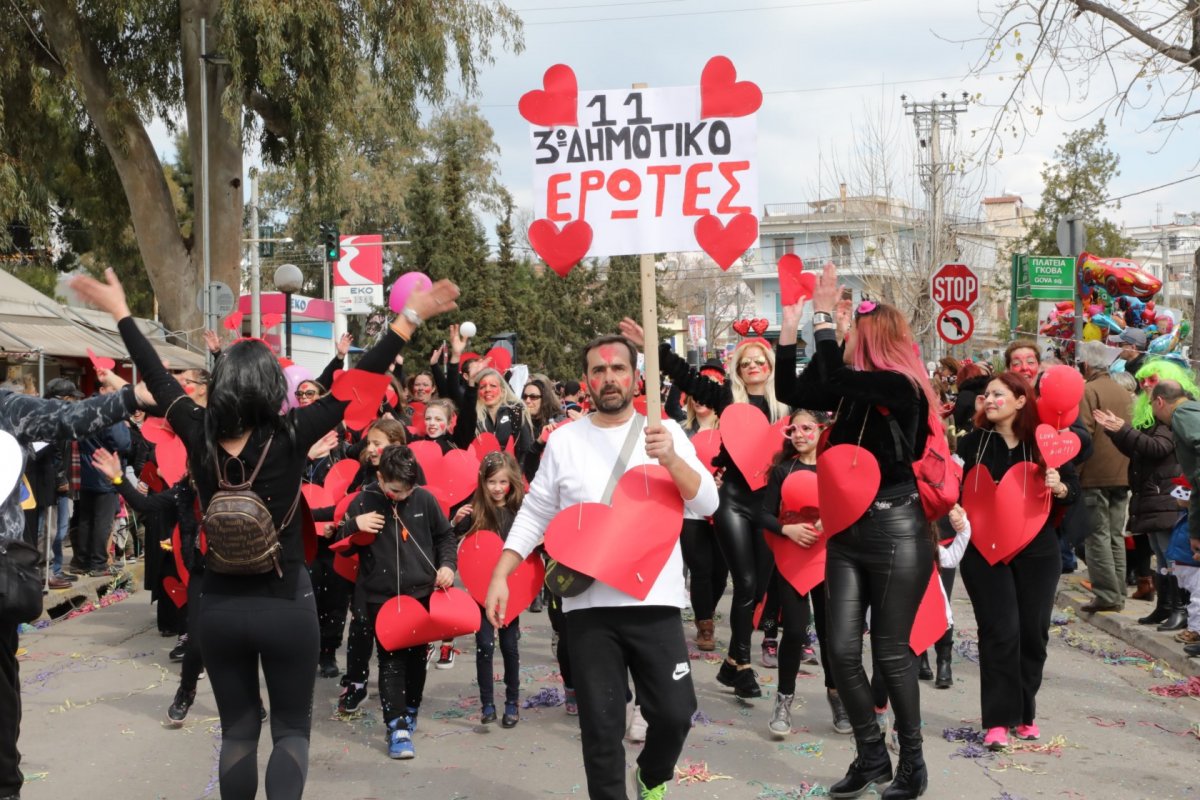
[(954, 286), (640, 167), (358, 274)]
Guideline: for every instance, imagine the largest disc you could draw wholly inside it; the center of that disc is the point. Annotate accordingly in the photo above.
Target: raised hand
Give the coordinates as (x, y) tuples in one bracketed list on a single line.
[(632, 331), (106, 463), (827, 294), (437, 299), (343, 345), (212, 341), (108, 296)]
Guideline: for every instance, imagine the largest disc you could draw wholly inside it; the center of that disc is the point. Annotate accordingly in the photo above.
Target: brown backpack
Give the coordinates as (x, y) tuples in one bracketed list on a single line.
[(241, 533)]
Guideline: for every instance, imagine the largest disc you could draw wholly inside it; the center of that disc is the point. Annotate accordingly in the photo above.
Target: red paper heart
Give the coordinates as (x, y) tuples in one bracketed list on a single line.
[(346, 566), (364, 392), (450, 477), (477, 557), (802, 567), (171, 457), (99, 363), (557, 103), (500, 359), (799, 491), (759, 326), (847, 483), (625, 545), (157, 430), (176, 590), (427, 451), (725, 244), (794, 282), (708, 445), (930, 622), (484, 444), (1004, 517), (722, 95), (639, 405), (741, 327), (339, 478), (560, 249), (751, 441), (233, 322), (1057, 448), (1056, 419), (356, 539), (404, 622), (417, 426), (343, 505), (270, 321), (316, 496)]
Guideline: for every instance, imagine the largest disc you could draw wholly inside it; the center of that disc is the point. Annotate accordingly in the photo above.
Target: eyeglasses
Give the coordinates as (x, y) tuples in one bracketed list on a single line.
[(302, 394), (747, 363), (531, 397), (806, 428)]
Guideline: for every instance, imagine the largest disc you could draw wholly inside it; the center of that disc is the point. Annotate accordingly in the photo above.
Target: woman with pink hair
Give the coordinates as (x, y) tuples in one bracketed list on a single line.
[(879, 389)]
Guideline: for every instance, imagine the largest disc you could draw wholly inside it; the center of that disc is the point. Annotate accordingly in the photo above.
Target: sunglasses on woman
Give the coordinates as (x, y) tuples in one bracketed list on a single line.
[(528, 396), (747, 363), (304, 394)]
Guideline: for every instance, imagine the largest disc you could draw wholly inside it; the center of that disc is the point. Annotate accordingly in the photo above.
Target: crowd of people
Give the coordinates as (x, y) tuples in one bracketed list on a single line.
[(240, 584)]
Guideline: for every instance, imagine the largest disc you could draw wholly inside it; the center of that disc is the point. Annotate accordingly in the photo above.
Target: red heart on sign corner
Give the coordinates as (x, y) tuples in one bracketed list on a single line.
[(725, 244), (556, 103), (233, 322), (741, 327), (404, 622), (751, 441), (722, 95), (847, 482), (99, 363), (560, 249), (1057, 448), (625, 545), (759, 326), (794, 282), (477, 557), (270, 321), (930, 622), (176, 590)]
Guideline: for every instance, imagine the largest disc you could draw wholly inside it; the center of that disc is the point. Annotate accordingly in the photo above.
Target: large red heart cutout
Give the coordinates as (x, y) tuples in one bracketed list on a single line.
[(364, 392), (316, 496), (339, 511), (725, 244), (346, 566), (339, 478), (404, 622), (1056, 419), (561, 249), (799, 491), (794, 282), (477, 557), (176, 590), (99, 363), (417, 426), (1005, 517), (171, 457), (722, 95), (847, 483), (751, 441), (930, 622), (741, 327), (181, 570), (451, 477), (624, 545), (802, 567), (500, 359), (708, 445), (157, 430), (233, 322), (356, 539), (1057, 448), (556, 103), (484, 444)]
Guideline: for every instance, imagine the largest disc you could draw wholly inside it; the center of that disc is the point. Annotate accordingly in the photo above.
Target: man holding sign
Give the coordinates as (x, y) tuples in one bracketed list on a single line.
[(613, 632)]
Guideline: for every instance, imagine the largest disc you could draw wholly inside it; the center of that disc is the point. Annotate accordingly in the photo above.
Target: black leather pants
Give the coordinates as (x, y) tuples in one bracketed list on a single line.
[(750, 562), (882, 562)]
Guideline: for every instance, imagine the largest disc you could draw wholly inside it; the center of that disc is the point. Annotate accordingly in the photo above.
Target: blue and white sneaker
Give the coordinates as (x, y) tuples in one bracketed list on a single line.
[(410, 718), (399, 741)]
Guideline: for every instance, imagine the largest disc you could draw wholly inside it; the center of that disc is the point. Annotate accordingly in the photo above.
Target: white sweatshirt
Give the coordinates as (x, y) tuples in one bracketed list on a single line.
[(575, 468), (949, 558)]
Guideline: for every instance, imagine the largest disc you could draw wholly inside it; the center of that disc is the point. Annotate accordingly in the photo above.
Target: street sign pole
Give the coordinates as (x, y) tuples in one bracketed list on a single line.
[(1071, 241), (1013, 318)]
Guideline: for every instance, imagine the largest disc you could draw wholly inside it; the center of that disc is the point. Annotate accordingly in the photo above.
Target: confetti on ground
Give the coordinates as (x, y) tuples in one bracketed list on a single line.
[(1192, 731), (970, 735), (972, 751), (803, 748), (573, 790), (1054, 747), (1187, 688), (769, 792), (547, 697), (30, 777), (1103, 723), (697, 772), (450, 713), (700, 718)]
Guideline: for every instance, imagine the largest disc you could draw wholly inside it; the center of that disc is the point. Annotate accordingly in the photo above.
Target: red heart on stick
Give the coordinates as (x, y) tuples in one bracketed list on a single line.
[(557, 103), (233, 321), (708, 445), (339, 478), (477, 557), (802, 567), (99, 363), (625, 545), (930, 622), (500, 359), (176, 590), (722, 95), (847, 483), (271, 320), (751, 441), (794, 282), (404, 622), (1057, 448), (741, 327), (1004, 517), (560, 249), (725, 244), (364, 392)]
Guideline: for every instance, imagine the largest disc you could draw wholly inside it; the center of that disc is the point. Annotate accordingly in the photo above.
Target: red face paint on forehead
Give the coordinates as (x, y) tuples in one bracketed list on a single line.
[(609, 353)]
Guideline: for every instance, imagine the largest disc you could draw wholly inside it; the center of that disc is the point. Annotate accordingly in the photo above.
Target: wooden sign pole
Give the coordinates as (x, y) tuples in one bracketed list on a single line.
[(650, 332)]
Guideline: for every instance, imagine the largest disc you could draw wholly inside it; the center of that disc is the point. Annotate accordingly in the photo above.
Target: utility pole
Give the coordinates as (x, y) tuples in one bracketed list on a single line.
[(930, 121), (255, 267)]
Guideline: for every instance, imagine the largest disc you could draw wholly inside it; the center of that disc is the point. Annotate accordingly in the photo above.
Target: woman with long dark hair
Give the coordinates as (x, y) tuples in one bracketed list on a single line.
[(884, 559), (268, 618), (1012, 600)]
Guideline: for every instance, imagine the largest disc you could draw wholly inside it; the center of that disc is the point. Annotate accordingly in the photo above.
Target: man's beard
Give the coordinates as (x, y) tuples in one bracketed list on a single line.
[(611, 403)]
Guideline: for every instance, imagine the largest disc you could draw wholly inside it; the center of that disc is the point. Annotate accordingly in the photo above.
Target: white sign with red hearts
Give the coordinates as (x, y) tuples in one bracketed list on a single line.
[(632, 171)]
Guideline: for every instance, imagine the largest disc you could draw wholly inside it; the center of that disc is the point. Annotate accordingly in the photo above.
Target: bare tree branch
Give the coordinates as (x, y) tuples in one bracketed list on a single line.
[(1142, 35)]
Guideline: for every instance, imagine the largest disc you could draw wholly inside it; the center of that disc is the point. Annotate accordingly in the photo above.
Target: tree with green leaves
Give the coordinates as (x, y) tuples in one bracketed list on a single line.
[(282, 74)]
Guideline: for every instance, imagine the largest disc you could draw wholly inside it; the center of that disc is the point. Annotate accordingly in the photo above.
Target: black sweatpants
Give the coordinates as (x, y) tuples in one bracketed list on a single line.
[(237, 633), (1012, 604), (707, 573), (563, 652), (193, 660), (647, 642), (333, 599), (401, 672), (97, 512), (11, 778), (360, 643)]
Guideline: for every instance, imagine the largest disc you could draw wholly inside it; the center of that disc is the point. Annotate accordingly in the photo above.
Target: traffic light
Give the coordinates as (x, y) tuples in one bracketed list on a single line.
[(333, 249)]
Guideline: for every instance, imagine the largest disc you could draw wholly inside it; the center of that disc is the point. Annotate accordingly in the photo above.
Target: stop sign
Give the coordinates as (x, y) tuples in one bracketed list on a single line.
[(954, 286)]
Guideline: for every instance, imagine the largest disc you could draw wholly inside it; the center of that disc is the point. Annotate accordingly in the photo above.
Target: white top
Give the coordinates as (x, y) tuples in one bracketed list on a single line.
[(576, 465), (949, 558)]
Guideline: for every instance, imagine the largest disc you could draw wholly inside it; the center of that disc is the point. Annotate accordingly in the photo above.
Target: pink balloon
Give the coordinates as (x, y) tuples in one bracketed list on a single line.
[(404, 286)]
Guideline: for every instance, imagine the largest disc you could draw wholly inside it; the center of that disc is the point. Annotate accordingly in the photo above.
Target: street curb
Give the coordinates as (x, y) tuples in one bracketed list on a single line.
[(1124, 626), (59, 602)]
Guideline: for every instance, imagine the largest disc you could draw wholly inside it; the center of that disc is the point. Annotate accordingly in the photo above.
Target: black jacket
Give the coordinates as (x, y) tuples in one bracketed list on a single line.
[(428, 545), (1152, 466), (964, 404)]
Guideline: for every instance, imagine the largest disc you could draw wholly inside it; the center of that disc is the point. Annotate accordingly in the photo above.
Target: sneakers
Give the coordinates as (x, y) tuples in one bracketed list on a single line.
[(740, 678), (511, 716), (178, 710), (327, 667), (1029, 733), (770, 653), (781, 719), (841, 720), (996, 738), (570, 703), (446, 661), (180, 648), (487, 715), (635, 731), (410, 718), (351, 697), (810, 657), (399, 741), (643, 793)]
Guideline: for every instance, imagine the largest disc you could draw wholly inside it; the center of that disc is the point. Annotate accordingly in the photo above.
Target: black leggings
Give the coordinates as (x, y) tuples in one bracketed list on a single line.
[(749, 560), (193, 660), (772, 606), (401, 673), (333, 598), (485, 651), (796, 616), (706, 566), (882, 562), (562, 653), (236, 634)]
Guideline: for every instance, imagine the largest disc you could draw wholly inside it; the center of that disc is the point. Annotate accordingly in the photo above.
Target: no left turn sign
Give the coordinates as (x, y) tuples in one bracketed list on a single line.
[(955, 325)]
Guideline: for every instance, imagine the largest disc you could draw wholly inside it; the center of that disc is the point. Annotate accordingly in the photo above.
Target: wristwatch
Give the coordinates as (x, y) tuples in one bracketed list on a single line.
[(822, 318), (412, 316)]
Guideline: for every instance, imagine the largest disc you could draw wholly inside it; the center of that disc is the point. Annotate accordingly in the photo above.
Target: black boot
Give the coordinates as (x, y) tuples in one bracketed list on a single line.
[(924, 673), (1177, 617), (327, 664), (944, 647), (912, 778), (1160, 612), (871, 765)]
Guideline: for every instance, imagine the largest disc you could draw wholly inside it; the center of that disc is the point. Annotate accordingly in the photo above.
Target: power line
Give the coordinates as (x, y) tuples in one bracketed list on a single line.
[(597, 5), (1108, 200), (701, 13)]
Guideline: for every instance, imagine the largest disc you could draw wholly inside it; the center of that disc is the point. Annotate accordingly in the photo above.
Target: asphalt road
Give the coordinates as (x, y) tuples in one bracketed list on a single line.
[(96, 689)]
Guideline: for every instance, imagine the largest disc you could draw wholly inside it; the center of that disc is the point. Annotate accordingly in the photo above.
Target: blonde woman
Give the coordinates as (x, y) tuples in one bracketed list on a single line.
[(490, 406)]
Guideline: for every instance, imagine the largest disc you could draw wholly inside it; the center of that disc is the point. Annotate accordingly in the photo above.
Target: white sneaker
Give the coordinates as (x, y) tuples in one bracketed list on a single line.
[(636, 730)]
